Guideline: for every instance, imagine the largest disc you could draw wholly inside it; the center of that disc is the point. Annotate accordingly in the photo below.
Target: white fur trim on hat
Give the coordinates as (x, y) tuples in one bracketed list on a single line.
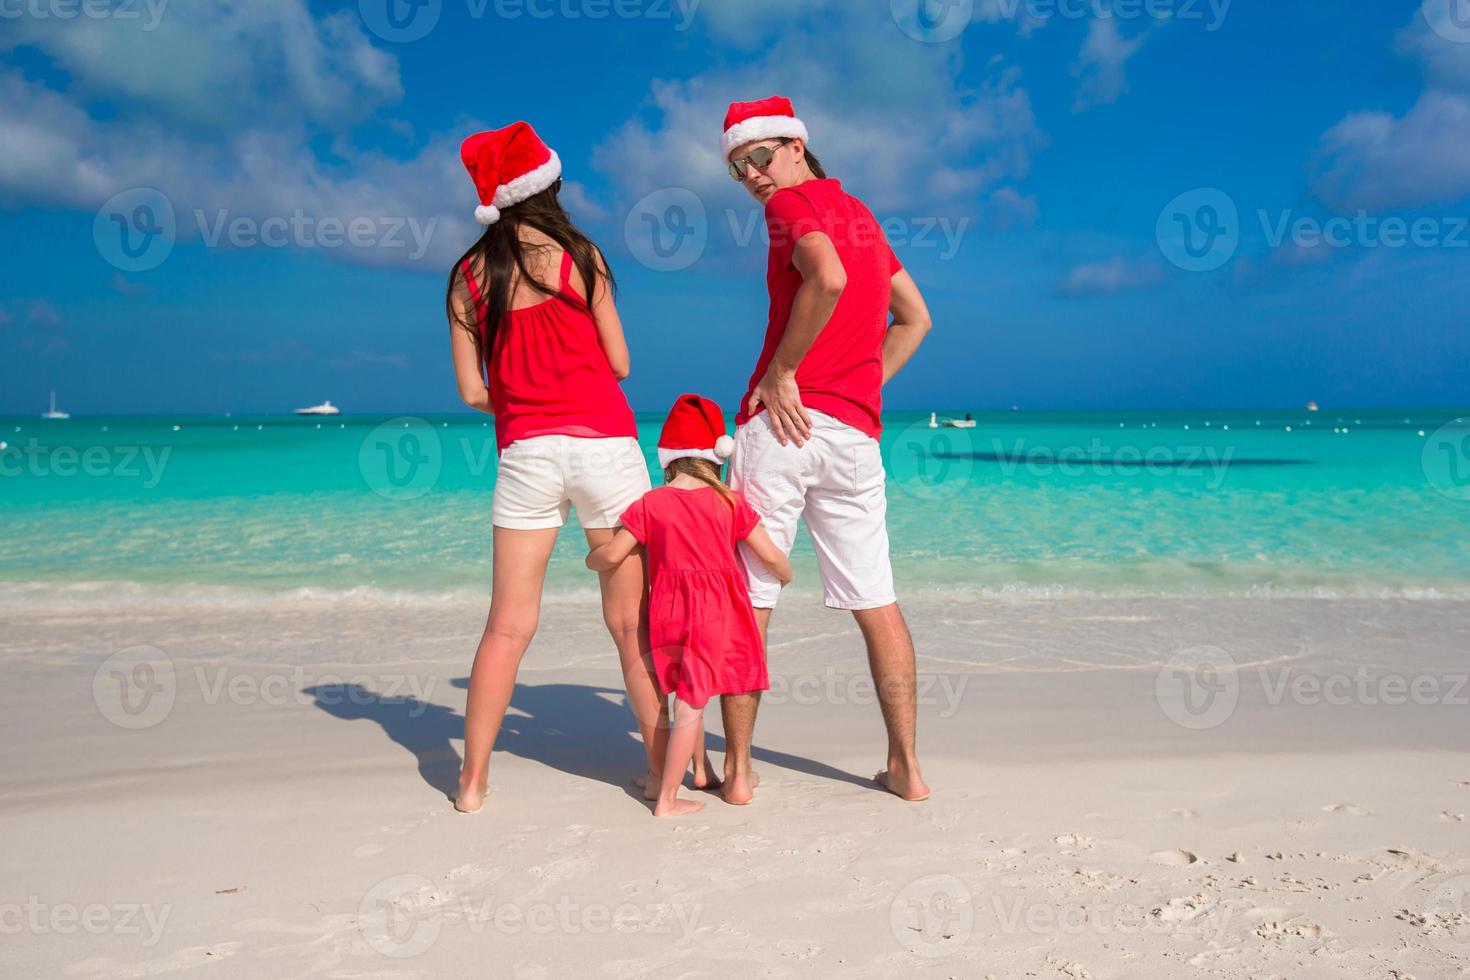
[(667, 456), (529, 184), (761, 128)]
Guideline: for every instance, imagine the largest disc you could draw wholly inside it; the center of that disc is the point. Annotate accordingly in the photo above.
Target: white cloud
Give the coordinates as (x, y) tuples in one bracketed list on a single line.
[(1115, 275), (1013, 208), (893, 121), (1101, 65), (1446, 63), (218, 110), (578, 203), (1375, 160), (215, 63)]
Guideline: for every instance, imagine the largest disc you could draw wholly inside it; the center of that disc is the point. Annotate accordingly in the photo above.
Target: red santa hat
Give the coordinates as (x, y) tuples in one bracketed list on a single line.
[(694, 429), (766, 119), (508, 165)]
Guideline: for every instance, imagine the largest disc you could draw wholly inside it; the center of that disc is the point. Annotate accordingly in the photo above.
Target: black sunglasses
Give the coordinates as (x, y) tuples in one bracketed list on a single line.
[(760, 158)]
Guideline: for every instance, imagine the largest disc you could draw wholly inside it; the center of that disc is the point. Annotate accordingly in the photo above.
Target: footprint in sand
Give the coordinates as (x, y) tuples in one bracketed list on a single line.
[(1301, 930), (1449, 817), (1348, 808), (1174, 858), (368, 850), (1075, 841), (1181, 813)]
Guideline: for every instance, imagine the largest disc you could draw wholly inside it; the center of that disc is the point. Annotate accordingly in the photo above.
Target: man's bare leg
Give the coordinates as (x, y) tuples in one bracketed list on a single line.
[(738, 712), (891, 659)]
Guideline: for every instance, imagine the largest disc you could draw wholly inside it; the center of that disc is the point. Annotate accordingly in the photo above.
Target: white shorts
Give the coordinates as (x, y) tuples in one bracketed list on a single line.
[(837, 484), (541, 478)]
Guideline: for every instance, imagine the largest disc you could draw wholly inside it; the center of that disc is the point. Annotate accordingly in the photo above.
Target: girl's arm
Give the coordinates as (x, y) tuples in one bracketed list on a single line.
[(612, 554), (910, 323), (771, 556), (609, 324), (467, 357)]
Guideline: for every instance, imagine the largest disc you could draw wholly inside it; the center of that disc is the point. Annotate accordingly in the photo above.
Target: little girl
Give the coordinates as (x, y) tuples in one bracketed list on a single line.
[(701, 625)]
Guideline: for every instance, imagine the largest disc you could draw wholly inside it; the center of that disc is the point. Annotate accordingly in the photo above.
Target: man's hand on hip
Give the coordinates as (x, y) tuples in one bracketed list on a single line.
[(782, 398)]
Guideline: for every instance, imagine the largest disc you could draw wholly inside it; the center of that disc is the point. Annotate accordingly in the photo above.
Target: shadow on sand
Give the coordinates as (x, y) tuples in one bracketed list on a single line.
[(579, 729)]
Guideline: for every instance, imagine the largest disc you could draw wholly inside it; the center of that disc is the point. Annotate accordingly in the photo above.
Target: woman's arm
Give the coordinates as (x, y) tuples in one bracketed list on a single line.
[(612, 554), (609, 324), (467, 358), (910, 323), (771, 556)]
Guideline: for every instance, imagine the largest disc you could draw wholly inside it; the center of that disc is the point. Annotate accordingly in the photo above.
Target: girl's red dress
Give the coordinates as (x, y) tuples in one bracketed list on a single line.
[(700, 621)]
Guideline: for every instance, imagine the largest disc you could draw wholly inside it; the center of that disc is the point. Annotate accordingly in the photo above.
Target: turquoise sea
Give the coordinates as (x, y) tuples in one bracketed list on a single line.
[(1331, 503)]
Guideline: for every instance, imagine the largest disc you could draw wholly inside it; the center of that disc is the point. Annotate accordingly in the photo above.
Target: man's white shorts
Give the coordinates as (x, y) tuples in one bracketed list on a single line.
[(837, 484), (541, 478)]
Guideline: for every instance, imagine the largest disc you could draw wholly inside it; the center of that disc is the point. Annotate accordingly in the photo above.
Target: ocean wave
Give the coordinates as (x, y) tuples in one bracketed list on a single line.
[(79, 596)]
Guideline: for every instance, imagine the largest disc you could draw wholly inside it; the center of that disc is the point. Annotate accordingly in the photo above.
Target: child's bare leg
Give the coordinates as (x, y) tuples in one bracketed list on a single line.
[(687, 724), (704, 771)]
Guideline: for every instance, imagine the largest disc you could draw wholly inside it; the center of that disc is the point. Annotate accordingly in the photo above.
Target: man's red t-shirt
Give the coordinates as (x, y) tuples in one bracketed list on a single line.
[(842, 374)]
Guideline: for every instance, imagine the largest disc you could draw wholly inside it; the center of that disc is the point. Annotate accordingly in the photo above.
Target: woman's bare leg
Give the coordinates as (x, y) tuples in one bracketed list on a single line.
[(519, 572), (625, 610)]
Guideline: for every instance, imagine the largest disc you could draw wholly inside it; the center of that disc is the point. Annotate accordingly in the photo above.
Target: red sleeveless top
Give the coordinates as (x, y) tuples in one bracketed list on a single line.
[(548, 374)]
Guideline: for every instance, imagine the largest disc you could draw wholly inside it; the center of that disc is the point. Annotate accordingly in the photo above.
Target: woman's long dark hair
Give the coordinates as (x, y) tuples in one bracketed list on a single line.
[(498, 261), (815, 166)]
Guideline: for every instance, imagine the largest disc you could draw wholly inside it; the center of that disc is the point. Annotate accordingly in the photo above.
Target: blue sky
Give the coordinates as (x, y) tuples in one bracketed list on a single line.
[(1037, 162)]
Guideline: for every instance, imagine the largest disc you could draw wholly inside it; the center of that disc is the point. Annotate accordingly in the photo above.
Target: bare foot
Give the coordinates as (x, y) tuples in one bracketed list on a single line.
[(738, 790), (905, 787), (704, 774), (649, 782), (469, 800), (677, 808)]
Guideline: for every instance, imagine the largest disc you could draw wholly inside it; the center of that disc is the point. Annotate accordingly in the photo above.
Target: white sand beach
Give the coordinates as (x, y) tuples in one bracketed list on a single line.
[(213, 800)]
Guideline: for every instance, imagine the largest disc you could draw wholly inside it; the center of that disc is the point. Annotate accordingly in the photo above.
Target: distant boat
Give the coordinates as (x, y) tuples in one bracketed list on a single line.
[(1312, 407), (968, 422), (325, 408), (53, 413)]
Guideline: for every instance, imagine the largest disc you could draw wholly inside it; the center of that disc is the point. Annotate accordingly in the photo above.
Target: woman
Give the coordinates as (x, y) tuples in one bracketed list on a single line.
[(531, 309)]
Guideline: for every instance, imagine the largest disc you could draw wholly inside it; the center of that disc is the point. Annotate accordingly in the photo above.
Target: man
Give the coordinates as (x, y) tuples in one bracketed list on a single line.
[(806, 442)]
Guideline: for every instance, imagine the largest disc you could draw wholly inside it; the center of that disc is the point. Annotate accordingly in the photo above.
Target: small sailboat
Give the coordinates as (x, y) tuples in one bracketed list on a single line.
[(1312, 407), (325, 408), (968, 422), (52, 413)]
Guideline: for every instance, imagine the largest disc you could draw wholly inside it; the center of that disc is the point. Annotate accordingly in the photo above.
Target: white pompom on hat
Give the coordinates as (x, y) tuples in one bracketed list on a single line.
[(508, 165), (694, 429)]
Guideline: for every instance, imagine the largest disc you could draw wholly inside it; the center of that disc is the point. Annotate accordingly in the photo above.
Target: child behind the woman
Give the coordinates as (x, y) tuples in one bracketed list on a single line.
[(701, 624)]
